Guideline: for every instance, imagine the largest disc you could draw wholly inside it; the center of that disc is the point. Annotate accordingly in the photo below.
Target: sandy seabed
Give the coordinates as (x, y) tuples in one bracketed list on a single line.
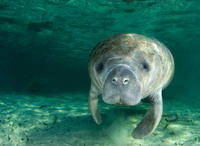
[(66, 121)]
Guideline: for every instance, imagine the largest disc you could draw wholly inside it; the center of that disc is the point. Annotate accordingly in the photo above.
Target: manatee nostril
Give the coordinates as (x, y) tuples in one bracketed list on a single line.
[(114, 80), (125, 81)]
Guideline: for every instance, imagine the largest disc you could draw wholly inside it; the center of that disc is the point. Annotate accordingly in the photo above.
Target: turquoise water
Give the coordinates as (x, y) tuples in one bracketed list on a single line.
[(44, 81)]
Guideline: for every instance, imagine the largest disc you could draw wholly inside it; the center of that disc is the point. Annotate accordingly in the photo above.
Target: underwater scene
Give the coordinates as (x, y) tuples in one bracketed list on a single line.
[(99, 72)]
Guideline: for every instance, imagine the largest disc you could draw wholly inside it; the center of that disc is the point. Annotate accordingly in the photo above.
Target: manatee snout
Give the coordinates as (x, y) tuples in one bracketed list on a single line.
[(121, 86)]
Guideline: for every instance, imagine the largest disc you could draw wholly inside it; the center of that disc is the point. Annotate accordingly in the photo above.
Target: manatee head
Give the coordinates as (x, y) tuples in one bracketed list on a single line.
[(119, 81)]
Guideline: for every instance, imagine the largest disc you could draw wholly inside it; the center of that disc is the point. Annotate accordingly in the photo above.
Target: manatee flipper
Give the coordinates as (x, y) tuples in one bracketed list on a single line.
[(152, 117), (93, 104)]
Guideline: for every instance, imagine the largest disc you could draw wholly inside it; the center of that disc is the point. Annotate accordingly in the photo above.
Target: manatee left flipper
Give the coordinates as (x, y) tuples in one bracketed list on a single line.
[(93, 104), (152, 117)]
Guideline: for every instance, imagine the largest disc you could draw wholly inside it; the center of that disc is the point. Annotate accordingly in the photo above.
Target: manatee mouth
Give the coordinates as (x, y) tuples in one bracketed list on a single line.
[(120, 103), (122, 100)]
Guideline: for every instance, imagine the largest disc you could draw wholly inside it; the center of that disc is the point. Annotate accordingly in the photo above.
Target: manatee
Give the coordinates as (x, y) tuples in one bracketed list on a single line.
[(126, 68)]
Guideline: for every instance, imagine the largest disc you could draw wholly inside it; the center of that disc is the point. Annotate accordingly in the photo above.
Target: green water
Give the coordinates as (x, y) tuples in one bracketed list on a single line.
[(44, 53)]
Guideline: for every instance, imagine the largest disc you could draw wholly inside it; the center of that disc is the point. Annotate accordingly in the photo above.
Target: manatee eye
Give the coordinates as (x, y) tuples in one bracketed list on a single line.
[(146, 66), (99, 67)]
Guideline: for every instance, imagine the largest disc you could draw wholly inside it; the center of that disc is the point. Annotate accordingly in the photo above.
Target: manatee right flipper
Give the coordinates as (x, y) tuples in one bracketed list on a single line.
[(152, 117), (93, 104)]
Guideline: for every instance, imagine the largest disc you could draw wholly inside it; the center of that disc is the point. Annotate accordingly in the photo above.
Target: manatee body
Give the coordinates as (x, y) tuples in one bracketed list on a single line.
[(126, 68)]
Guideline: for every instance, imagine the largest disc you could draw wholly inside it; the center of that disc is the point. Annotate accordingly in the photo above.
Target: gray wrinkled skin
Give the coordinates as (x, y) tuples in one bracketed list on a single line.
[(126, 68)]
